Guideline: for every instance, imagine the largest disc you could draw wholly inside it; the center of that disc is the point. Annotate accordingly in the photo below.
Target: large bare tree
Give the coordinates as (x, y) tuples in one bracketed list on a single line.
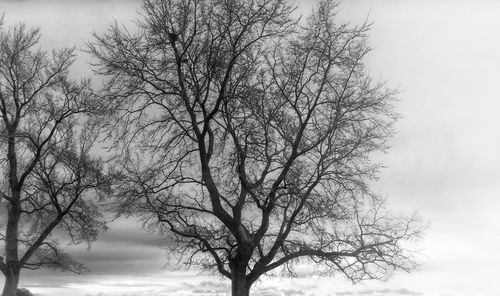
[(48, 177), (246, 136)]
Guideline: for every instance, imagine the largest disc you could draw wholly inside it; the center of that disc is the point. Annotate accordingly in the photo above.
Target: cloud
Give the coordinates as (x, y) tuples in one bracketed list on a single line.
[(267, 292), (278, 291), (290, 292), (124, 249), (189, 283), (211, 284), (405, 291), (209, 287), (377, 292), (130, 232), (43, 284)]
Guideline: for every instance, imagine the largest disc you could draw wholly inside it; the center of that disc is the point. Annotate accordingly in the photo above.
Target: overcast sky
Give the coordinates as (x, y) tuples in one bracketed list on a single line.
[(444, 162)]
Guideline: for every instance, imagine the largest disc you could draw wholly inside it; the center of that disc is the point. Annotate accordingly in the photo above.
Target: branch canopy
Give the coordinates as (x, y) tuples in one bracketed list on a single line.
[(246, 135), (49, 179)]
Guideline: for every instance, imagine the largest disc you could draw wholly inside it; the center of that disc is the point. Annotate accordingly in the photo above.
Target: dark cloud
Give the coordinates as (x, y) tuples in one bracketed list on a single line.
[(290, 292), (111, 255), (46, 278), (267, 292), (44, 284), (108, 253), (405, 291), (344, 293), (207, 287), (278, 291), (215, 284), (385, 291), (130, 231), (125, 248), (208, 291)]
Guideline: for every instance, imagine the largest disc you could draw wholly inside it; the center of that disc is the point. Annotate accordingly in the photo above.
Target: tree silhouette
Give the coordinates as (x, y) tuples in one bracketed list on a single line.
[(48, 174), (247, 138)]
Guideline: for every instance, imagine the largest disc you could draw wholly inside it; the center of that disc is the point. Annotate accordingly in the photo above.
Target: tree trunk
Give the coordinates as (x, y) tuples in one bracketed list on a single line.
[(11, 282), (240, 286), (11, 267)]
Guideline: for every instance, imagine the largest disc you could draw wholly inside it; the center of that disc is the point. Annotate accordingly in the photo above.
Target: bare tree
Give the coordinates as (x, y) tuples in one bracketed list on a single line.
[(48, 175), (246, 135)]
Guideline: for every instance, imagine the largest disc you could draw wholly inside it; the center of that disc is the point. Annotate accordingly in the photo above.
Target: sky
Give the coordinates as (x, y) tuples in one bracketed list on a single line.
[(444, 163)]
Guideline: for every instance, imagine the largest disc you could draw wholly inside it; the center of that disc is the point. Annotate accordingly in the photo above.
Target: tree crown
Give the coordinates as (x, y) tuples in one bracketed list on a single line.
[(247, 136)]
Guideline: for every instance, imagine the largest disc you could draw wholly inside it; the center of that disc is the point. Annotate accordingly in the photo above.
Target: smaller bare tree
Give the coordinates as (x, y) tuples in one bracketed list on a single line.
[(48, 176)]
